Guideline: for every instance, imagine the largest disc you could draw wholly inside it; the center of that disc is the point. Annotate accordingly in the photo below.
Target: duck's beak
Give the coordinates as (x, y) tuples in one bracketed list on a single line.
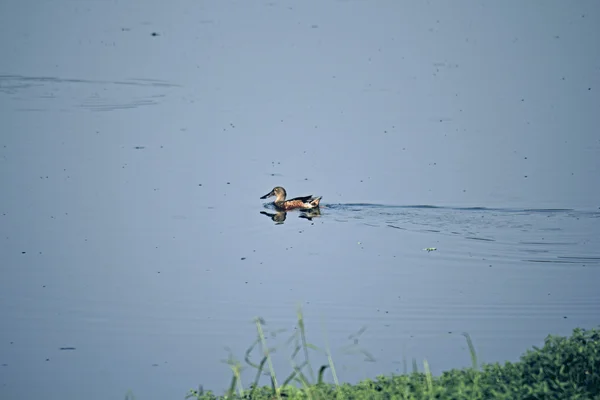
[(271, 193)]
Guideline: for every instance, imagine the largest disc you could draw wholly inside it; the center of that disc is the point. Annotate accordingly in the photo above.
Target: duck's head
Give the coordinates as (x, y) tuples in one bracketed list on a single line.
[(278, 192)]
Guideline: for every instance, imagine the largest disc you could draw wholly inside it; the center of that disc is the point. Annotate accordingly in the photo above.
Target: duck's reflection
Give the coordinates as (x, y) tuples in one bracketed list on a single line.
[(310, 214), (279, 216)]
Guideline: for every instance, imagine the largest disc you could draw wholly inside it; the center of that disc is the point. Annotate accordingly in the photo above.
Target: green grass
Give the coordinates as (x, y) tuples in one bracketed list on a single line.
[(564, 368)]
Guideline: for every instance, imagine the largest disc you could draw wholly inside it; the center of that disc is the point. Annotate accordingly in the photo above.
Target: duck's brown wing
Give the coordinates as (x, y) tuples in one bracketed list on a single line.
[(302, 199)]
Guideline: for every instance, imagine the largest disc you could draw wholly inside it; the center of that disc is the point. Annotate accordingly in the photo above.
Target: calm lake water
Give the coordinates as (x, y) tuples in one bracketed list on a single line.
[(136, 140)]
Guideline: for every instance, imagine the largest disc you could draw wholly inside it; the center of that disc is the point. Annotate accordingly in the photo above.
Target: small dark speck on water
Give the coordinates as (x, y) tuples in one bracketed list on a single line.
[(243, 258), (229, 183), (565, 317), (155, 34), (67, 348), (139, 147), (47, 359), (199, 184), (23, 252), (525, 176)]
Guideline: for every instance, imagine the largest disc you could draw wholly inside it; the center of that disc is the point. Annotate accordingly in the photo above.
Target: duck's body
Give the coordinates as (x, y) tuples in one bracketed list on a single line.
[(305, 202)]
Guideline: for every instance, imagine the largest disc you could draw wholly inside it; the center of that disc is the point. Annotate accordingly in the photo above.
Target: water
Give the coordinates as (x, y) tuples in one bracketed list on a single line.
[(136, 141)]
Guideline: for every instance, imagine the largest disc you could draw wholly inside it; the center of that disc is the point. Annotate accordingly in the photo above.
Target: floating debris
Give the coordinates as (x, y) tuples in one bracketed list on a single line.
[(428, 249)]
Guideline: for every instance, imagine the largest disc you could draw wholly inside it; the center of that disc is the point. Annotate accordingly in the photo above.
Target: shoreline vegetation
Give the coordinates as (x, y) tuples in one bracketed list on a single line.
[(564, 368)]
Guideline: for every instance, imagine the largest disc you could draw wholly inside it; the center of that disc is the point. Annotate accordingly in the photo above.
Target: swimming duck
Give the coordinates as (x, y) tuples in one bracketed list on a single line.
[(281, 203)]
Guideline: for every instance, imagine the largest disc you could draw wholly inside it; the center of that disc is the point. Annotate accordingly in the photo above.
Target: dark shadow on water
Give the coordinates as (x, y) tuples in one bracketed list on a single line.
[(279, 216)]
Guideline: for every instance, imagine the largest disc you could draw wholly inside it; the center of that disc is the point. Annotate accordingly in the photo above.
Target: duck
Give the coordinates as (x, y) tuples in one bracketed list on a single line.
[(304, 202)]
